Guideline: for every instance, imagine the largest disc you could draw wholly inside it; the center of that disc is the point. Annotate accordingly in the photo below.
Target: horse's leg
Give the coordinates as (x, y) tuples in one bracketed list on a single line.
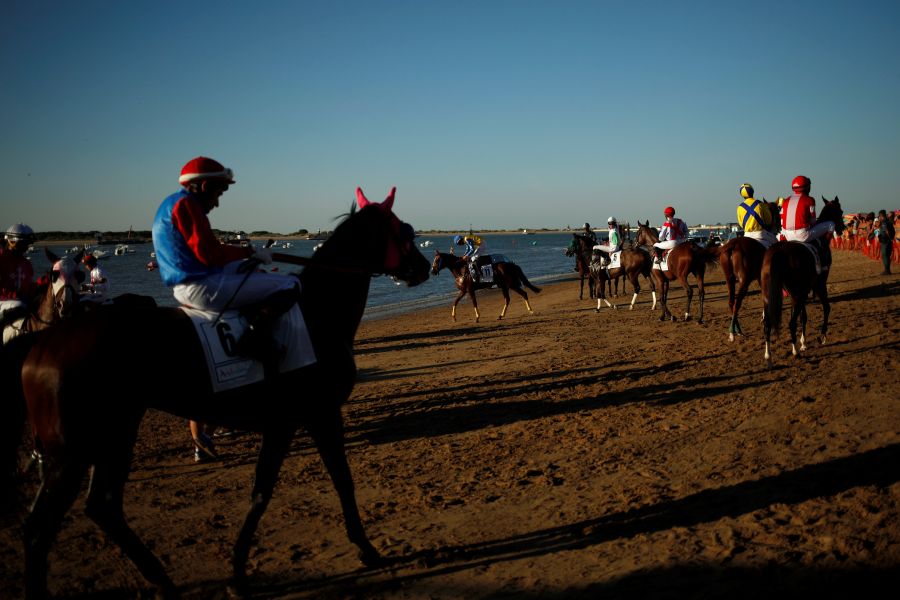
[(328, 433), (505, 292), (826, 310), (268, 464), (664, 297), (797, 306), (735, 306), (524, 295), (104, 507), (57, 493), (701, 295), (474, 304), (689, 292), (636, 286), (803, 317), (581, 287), (455, 302)]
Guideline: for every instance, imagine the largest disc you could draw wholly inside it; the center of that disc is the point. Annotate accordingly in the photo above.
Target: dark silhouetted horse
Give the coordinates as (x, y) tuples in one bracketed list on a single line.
[(507, 276), (685, 259), (792, 266), (78, 426), (581, 247), (633, 263)]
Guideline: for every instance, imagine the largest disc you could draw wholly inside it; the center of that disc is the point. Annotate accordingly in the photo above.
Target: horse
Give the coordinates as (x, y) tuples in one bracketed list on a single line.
[(633, 262), (581, 247), (56, 297), (507, 276), (741, 261), (683, 260), (76, 426), (792, 266)]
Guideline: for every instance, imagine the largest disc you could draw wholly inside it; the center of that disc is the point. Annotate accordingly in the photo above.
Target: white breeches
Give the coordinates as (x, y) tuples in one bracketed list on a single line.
[(232, 289)]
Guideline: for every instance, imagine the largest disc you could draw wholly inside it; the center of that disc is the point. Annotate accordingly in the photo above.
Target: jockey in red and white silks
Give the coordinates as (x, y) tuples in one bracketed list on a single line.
[(673, 232), (798, 215)]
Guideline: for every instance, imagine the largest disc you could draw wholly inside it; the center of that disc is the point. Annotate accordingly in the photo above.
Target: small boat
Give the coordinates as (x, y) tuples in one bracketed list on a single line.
[(426, 244), (123, 249), (152, 265), (317, 246)]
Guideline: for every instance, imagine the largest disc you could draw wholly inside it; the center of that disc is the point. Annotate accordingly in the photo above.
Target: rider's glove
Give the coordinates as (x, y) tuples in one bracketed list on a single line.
[(263, 255)]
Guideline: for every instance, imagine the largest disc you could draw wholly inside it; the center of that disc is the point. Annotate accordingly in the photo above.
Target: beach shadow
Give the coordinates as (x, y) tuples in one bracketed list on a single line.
[(879, 467), (879, 290)]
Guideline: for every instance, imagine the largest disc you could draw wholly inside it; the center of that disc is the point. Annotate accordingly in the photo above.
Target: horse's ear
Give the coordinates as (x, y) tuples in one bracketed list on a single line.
[(836, 199), (50, 256), (361, 199), (389, 201)]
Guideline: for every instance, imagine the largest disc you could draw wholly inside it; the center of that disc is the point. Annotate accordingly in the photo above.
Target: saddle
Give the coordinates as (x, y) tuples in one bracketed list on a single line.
[(482, 267)]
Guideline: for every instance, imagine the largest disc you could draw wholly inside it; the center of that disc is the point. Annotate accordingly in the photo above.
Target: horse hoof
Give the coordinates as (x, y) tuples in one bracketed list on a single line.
[(596, 310), (371, 558), (730, 337)]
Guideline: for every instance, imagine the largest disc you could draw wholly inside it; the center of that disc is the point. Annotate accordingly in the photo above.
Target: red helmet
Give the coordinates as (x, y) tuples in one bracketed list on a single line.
[(204, 168), (669, 212), (801, 183)]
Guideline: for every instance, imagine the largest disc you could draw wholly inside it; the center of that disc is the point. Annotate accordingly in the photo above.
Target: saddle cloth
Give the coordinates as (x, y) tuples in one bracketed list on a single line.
[(663, 264), (614, 262), (219, 337), (815, 252)]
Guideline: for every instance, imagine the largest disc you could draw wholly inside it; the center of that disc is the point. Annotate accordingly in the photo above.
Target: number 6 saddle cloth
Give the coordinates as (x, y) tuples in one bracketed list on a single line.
[(219, 337)]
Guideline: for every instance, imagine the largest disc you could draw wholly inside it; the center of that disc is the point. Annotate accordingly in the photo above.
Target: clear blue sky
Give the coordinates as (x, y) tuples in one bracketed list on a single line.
[(498, 114)]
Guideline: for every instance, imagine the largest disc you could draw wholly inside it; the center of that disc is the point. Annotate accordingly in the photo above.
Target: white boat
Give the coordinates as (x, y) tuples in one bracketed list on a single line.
[(426, 244), (123, 249)]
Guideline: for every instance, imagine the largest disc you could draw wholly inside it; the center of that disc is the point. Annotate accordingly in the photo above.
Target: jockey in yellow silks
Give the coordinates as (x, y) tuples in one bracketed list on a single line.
[(755, 217)]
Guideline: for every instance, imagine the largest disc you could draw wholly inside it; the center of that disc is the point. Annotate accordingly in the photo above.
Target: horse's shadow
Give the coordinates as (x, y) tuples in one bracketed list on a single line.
[(878, 467), (879, 290)]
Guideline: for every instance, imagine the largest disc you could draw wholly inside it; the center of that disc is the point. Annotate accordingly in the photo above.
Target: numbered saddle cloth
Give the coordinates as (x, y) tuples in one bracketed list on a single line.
[(663, 264), (219, 337), (614, 262)]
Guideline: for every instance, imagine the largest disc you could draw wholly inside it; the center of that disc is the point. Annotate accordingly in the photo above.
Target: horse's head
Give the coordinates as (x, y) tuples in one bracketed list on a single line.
[(443, 260), (833, 212), (774, 210), (572, 248), (65, 279), (646, 235), (392, 249)]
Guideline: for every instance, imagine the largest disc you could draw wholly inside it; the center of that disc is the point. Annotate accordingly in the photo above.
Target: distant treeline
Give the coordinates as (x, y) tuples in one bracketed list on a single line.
[(146, 234)]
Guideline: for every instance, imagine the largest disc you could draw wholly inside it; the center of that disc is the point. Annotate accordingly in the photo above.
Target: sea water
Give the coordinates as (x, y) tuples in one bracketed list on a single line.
[(541, 257)]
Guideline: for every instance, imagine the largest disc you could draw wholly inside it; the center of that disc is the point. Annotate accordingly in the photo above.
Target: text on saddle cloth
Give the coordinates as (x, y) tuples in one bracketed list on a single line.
[(219, 337), (663, 264), (614, 260)]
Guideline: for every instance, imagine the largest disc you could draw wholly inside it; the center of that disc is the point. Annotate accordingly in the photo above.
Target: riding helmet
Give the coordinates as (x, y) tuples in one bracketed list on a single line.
[(801, 183), (20, 231), (747, 190), (611, 221), (669, 211), (202, 167)]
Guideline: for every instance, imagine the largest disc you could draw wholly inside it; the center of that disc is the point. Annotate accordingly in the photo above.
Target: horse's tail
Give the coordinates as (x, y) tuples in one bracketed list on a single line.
[(710, 255), (525, 281), (774, 299), (12, 415)]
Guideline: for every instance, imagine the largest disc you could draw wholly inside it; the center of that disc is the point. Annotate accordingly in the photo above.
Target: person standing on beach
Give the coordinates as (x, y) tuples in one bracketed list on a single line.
[(673, 232), (16, 273), (884, 230), (755, 217)]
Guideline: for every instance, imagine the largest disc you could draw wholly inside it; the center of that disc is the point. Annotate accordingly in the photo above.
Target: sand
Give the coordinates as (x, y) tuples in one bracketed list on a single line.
[(561, 454)]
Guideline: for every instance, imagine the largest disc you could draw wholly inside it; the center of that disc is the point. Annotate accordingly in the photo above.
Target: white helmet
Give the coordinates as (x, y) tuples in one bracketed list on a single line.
[(611, 220), (20, 231)]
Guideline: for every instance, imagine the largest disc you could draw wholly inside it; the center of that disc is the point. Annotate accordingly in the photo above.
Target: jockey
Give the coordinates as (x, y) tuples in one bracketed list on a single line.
[(209, 275), (98, 286), (798, 215), (589, 233), (614, 243), (673, 232), (755, 217), (16, 273), (475, 247)]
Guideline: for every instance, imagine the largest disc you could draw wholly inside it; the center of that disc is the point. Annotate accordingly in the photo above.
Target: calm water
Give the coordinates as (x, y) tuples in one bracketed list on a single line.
[(540, 256)]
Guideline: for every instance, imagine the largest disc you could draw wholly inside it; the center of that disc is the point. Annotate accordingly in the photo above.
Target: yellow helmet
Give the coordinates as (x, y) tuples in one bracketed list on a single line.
[(747, 190)]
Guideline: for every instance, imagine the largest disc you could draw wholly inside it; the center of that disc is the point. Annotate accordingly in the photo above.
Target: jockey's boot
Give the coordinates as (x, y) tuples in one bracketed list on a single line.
[(257, 342), (658, 254), (604, 259), (473, 269)]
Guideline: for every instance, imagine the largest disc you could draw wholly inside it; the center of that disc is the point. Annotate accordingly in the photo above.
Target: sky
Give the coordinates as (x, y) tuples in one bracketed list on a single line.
[(484, 114)]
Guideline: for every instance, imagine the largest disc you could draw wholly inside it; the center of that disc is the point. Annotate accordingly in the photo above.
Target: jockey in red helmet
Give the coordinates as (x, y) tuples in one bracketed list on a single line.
[(798, 214), (204, 273), (673, 231)]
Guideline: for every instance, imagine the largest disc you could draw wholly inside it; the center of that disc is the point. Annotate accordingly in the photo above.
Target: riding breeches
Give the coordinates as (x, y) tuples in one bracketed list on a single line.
[(808, 234), (764, 237), (231, 289)]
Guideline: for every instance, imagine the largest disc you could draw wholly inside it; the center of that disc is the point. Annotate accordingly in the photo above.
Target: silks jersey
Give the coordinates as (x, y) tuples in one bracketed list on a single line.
[(674, 230), (754, 215), (16, 276), (186, 247), (798, 212)]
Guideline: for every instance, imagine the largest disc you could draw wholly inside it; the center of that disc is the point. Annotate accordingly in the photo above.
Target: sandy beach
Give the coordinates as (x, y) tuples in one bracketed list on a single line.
[(561, 454)]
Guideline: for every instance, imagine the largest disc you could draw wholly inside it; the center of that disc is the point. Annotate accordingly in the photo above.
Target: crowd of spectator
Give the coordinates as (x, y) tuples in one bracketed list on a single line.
[(860, 235)]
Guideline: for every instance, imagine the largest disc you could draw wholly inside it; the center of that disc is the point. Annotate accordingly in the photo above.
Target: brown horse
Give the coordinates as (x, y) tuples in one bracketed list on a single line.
[(741, 260), (56, 297), (633, 263), (77, 426), (581, 247), (507, 276), (683, 260), (792, 266)]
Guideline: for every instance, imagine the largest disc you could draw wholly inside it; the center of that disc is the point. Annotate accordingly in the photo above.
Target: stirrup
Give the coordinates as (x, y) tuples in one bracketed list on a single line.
[(204, 448)]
